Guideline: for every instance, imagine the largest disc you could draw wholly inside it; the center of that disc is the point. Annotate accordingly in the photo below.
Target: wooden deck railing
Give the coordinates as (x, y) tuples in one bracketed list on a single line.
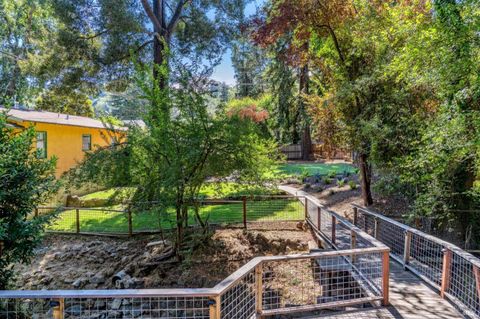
[(446, 267), (355, 274)]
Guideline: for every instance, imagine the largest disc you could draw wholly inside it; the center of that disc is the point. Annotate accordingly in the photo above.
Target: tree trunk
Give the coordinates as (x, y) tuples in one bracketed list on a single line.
[(160, 43), (365, 179), (306, 136)]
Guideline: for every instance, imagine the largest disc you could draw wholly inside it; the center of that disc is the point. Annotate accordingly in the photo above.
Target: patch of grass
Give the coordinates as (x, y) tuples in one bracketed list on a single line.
[(311, 169), (108, 193)]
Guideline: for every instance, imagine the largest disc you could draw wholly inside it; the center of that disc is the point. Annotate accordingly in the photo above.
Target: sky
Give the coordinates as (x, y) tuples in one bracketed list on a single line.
[(224, 71)]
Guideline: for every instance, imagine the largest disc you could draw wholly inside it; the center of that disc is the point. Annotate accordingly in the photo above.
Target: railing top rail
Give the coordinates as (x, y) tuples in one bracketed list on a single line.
[(457, 250)]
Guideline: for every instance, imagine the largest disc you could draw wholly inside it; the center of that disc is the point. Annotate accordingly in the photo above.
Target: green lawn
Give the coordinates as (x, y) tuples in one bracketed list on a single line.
[(315, 168), (117, 222)]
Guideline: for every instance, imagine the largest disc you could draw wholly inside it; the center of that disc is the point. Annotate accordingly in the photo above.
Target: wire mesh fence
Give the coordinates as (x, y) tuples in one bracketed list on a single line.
[(153, 218), (319, 282), (454, 272), (123, 307)]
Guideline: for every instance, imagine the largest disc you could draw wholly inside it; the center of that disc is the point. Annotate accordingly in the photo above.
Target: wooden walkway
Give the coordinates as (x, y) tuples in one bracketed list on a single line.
[(410, 298)]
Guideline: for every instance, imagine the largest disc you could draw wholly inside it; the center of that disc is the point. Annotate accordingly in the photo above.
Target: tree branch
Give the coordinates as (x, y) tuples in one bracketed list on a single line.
[(176, 16), (148, 10)]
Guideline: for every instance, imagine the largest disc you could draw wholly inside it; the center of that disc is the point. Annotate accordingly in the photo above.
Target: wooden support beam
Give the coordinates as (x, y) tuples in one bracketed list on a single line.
[(334, 230), (353, 244), (319, 218), (306, 208), (58, 308), (77, 218), (406, 248), (446, 271), (259, 289), (385, 278), (355, 216), (476, 272), (130, 224)]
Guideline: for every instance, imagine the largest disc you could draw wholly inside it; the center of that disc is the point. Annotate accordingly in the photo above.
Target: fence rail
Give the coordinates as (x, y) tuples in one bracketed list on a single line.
[(273, 285), (451, 270)]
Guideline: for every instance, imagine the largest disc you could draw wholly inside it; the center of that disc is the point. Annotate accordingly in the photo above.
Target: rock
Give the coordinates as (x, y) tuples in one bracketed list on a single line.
[(157, 243), (75, 310), (80, 282), (99, 278), (116, 303), (99, 304)]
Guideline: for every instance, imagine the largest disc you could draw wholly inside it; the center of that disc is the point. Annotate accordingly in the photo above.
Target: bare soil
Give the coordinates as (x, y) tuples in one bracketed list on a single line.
[(92, 262)]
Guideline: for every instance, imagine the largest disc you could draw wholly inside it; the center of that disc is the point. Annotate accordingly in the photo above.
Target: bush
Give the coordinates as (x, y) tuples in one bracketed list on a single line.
[(352, 185), (26, 182), (332, 174), (327, 180), (340, 182)]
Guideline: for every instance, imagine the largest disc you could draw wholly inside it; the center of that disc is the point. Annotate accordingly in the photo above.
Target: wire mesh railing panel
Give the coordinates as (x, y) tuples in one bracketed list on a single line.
[(343, 236), (326, 224), (239, 301), (25, 308), (281, 209), (312, 212), (151, 307), (464, 285), (313, 282), (426, 257), (125, 308), (94, 220), (393, 236), (65, 221)]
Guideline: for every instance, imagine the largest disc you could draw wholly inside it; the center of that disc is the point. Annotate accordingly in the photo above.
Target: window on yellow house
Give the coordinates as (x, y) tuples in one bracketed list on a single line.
[(86, 142), (41, 144)]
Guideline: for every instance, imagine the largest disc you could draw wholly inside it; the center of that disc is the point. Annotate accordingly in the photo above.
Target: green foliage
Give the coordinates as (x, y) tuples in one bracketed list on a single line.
[(25, 182), (340, 182), (183, 145), (66, 102), (353, 185), (326, 180)]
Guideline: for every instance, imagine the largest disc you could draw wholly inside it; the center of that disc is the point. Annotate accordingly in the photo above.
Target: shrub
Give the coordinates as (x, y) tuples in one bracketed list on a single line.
[(27, 182), (326, 180), (332, 174), (340, 182), (352, 185)]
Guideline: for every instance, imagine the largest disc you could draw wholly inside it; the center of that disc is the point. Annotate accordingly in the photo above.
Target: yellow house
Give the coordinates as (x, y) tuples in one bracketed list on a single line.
[(65, 136)]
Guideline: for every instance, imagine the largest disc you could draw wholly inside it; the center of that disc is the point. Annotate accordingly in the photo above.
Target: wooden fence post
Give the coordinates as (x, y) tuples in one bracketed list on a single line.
[(319, 218), (214, 307), (334, 231), (385, 277), (306, 208), (58, 308), (77, 218), (355, 216), (353, 244), (446, 271), (376, 226), (476, 272), (130, 224), (244, 202), (259, 289), (35, 214), (406, 249)]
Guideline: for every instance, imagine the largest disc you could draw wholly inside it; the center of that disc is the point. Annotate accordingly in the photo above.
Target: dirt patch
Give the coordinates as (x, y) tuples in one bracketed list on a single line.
[(72, 262)]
